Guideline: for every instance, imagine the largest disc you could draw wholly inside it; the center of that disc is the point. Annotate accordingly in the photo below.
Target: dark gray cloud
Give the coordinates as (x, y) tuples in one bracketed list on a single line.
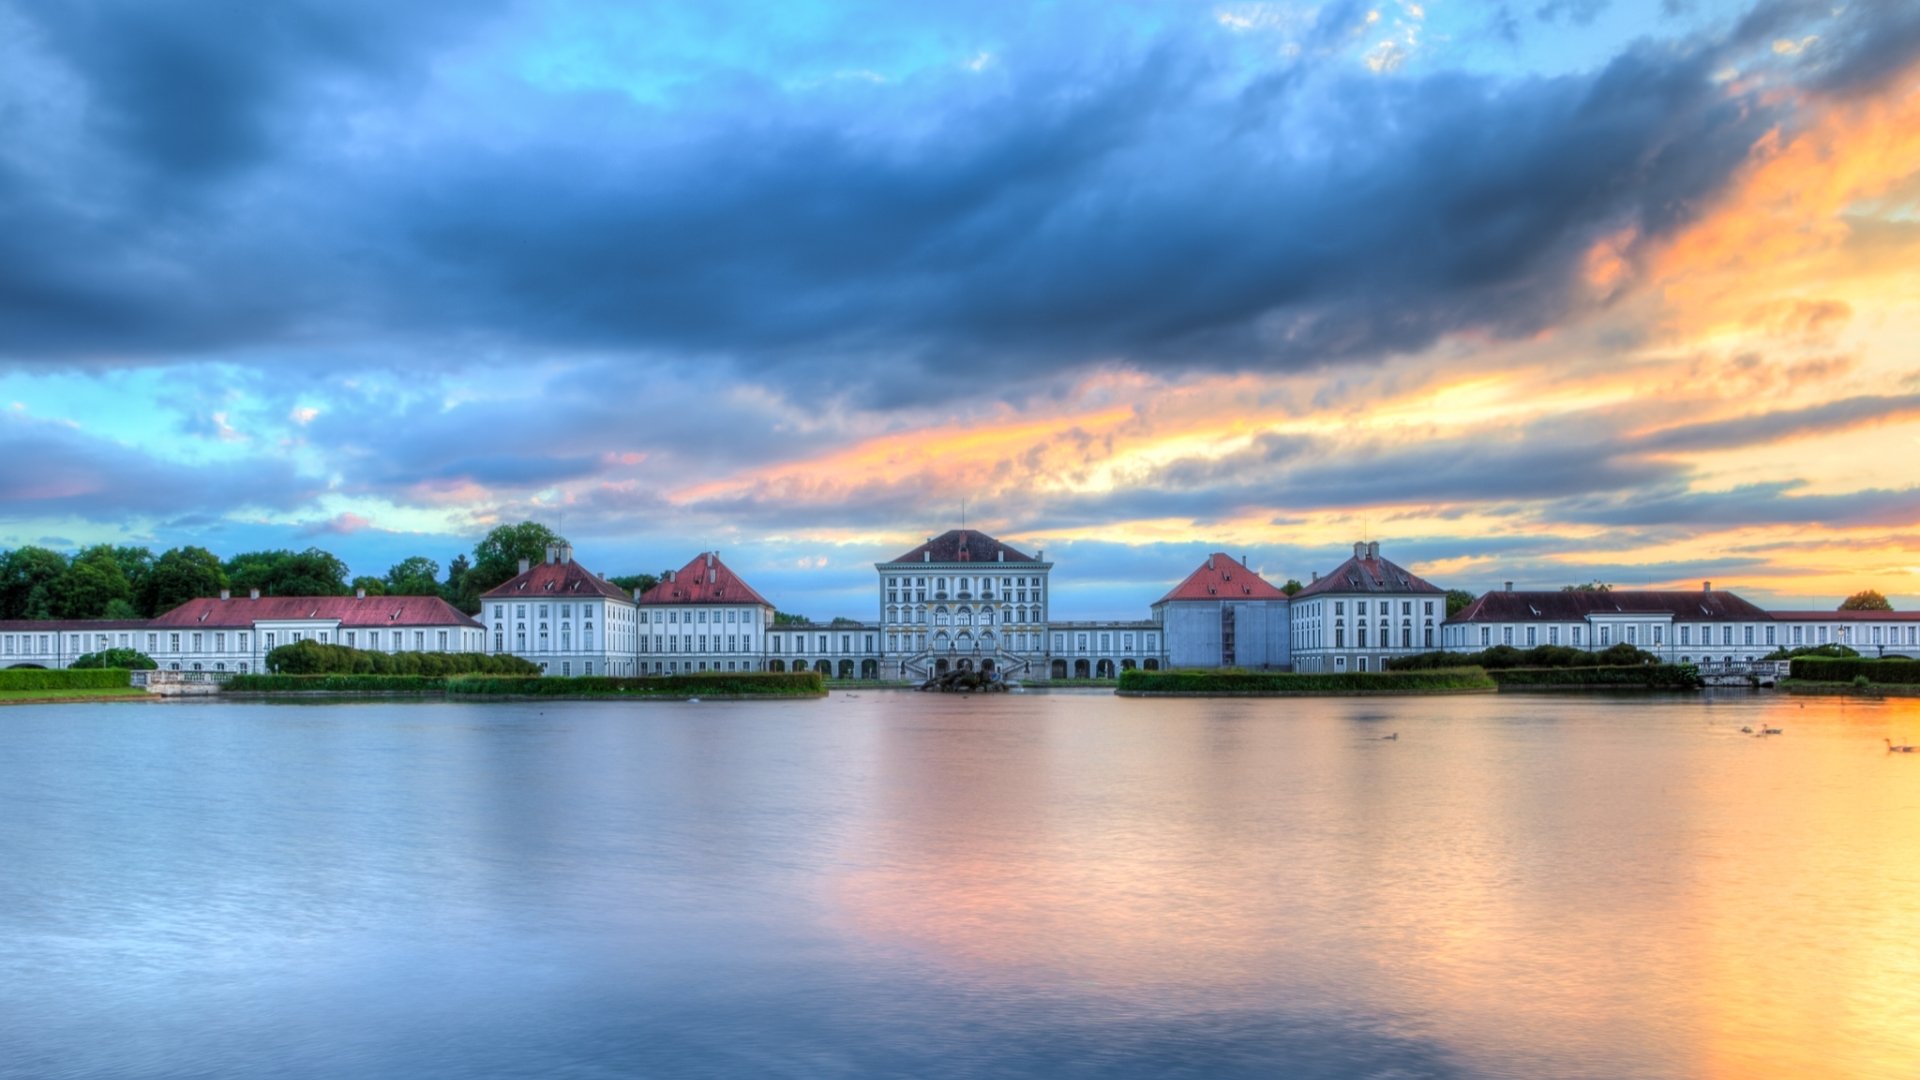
[(1786, 424), (1093, 200), (1754, 504), (60, 471)]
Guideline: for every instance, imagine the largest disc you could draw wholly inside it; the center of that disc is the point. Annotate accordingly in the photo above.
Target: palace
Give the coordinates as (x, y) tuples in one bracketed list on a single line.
[(964, 601)]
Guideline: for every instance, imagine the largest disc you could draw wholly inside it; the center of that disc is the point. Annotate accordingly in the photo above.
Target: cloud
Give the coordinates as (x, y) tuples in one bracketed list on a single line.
[(75, 474), (1779, 426), (1097, 200)]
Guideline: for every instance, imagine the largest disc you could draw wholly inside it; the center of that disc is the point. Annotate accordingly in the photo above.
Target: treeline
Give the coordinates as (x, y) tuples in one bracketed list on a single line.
[(1506, 656), (312, 658), (114, 582)]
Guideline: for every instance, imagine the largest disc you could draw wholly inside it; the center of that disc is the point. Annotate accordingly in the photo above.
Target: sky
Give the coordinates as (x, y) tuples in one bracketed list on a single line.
[(1542, 291)]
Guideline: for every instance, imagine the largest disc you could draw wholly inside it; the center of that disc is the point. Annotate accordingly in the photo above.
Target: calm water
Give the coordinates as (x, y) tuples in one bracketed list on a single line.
[(1057, 885)]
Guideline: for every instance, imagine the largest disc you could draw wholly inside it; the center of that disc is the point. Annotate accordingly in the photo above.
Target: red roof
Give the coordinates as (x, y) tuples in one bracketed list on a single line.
[(10, 626), (240, 613), (559, 578), (1846, 616), (705, 580), (1223, 577), (965, 545)]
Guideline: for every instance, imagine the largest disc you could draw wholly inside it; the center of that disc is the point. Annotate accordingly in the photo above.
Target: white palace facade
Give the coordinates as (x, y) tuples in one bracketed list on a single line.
[(966, 601)]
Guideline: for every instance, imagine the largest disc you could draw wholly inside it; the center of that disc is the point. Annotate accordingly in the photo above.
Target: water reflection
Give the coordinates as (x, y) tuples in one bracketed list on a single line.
[(1044, 885)]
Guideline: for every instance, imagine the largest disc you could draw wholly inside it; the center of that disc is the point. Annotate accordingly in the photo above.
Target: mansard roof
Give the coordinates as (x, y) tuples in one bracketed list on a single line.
[(240, 613), (704, 580), (1682, 605), (1846, 616), (965, 545), (10, 626), (559, 578), (1367, 572), (1223, 577)]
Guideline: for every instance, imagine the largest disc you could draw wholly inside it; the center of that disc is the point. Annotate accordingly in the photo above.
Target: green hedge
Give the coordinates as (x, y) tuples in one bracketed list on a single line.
[(717, 684), (310, 657), (1647, 676), (70, 679), (1272, 682), (1500, 657), (1831, 649), (1819, 669)]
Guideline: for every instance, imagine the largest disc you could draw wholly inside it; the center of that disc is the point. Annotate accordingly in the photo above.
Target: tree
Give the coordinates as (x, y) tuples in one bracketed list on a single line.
[(27, 576), (1591, 586), (121, 609), (630, 582), (781, 618), (312, 572), (91, 582), (456, 573), (1865, 600), (496, 559), (131, 659), (370, 585), (413, 576), (1292, 586), (1457, 599), (180, 575)]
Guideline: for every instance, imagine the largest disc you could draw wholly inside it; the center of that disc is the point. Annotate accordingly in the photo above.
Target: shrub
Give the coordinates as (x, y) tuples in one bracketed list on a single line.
[(312, 658), (1501, 657), (1267, 682), (70, 679), (486, 685), (129, 659), (1813, 669), (1645, 676)]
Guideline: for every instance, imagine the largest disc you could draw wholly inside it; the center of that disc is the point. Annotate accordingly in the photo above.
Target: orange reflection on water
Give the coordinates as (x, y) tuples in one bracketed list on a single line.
[(1547, 886)]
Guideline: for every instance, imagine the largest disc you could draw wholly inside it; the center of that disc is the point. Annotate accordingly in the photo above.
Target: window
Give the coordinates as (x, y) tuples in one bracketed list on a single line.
[(1531, 641), (1553, 635)]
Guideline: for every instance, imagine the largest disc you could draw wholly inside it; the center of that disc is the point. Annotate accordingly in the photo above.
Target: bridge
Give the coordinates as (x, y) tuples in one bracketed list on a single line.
[(1758, 674)]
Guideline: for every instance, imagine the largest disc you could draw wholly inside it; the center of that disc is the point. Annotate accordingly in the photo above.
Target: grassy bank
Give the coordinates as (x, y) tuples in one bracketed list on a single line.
[(1230, 683), (28, 697), (1851, 670), (673, 687), (1634, 677)]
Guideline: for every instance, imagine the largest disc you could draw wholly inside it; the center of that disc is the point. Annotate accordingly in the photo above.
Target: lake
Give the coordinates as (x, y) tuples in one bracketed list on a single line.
[(889, 884)]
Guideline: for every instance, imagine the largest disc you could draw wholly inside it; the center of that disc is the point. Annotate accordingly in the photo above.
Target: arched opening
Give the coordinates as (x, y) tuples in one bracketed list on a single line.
[(1151, 665), (1082, 670), (1104, 670), (939, 667), (776, 665), (986, 665), (869, 669), (1059, 669), (1126, 665), (846, 669), (824, 667), (965, 665)]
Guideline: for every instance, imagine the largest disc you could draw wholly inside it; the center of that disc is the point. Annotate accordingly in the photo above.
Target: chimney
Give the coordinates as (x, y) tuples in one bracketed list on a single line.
[(359, 594), (1316, 575), (1041, 555), (926, 556), (1359, 549), (673, 575), (1000, 555), (709, 560), (1706, 586), (253, 594), (1209, 562), (636, 594), (1509, 586), (226, 594), (524, 565), (1245, 563), (1373, 549)]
